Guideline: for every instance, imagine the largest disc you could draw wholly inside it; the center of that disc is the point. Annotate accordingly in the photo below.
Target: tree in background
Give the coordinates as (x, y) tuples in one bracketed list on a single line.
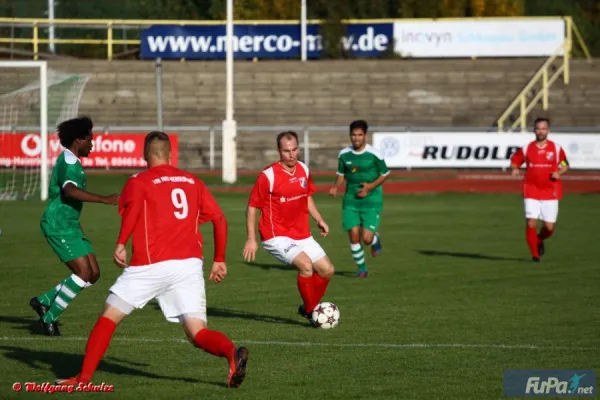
[(458, 8), (258, 9), (495, 8), (585, 13)]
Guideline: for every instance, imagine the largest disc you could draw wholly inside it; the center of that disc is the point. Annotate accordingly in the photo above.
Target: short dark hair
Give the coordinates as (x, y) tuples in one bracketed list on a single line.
[(286, 135), (359, 124), (161, 149), (73, 129), (541, 119)]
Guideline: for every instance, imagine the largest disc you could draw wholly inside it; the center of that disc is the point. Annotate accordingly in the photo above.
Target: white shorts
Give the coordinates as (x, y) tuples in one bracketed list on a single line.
[(546, 210), (285, 249), (178, 285)]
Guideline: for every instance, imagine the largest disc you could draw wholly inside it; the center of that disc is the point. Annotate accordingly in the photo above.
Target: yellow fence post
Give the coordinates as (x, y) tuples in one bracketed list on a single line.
[(566, 62), (36, 42), (545, 89), (581, 42), (523, 116), (109, 40), (567, 47)]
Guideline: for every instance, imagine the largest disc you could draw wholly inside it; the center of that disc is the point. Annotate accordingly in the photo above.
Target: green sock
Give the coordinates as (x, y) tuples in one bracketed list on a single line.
[(48, 297), (359, 256), (69, 289)]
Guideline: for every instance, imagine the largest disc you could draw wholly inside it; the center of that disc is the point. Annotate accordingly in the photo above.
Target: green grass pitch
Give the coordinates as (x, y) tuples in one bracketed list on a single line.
[(453, 301)]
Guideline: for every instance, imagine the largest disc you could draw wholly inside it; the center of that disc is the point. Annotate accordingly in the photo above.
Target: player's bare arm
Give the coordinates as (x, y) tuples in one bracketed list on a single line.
[(339, 180), (515, 169), (120, 256), (218, 272), (316, 215), (72, 191), (367, 187), (251, 246)]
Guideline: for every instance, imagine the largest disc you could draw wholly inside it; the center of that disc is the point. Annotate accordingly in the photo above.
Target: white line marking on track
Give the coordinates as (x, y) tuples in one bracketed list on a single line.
[(317, 344)]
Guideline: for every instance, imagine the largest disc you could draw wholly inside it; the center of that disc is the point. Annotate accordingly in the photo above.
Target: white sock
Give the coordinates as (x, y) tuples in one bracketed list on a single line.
[(375, 240), (87, 285), (358, 255)]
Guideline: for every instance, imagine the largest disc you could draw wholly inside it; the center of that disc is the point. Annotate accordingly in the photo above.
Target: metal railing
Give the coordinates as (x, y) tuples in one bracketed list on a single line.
[(305, 133), (546, 78), (114, 24), (110, 26)]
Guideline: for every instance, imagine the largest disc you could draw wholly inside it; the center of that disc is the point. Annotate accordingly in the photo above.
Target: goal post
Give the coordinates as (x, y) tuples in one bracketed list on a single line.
[(42, 69), (33, 99)]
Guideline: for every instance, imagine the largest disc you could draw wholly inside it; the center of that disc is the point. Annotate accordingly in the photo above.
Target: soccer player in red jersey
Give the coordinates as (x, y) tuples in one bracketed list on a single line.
[(162, 208), (283, 194), (545, 162)]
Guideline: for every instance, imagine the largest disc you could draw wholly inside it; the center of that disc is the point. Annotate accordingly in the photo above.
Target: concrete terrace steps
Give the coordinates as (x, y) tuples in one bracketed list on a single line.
[(574, 104), (429, 92), (326, 93)]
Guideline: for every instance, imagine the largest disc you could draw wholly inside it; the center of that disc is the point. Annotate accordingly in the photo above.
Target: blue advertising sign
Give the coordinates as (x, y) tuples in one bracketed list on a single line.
[(260, 41), (368, 40)]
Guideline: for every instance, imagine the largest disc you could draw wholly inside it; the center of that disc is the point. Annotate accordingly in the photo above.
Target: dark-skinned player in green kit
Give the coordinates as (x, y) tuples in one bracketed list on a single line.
[(363, 168), (60, 223)]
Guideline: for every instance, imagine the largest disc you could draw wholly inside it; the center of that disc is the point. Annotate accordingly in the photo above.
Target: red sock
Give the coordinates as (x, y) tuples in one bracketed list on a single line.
[(320, 286), (545, 233), (215, 343), (97, 345), (532, 241), (307, 291)]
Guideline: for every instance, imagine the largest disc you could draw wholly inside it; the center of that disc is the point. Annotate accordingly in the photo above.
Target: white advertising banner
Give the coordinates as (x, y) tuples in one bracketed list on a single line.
[(479, 38), (477, 150)]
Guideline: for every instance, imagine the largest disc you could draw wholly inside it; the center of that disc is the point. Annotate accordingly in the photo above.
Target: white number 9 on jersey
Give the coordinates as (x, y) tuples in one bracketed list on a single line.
[(180, 202)]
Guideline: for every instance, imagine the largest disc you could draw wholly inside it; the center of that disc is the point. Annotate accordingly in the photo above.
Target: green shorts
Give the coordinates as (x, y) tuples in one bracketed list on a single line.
[(368, 219), (68, 247)]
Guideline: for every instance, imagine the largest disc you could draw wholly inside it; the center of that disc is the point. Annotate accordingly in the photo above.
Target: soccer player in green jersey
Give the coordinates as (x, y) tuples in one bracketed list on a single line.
[(60, 223), (363, 168)]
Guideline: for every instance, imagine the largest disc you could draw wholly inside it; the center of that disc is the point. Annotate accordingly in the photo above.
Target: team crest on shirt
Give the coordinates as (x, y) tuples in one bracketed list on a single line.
[(302, 182), (549, 156), (354, 169)]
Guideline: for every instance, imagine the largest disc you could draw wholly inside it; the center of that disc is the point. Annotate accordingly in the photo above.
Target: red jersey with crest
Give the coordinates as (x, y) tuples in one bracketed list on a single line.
[(282, 198), (162, 207), (541, 162)]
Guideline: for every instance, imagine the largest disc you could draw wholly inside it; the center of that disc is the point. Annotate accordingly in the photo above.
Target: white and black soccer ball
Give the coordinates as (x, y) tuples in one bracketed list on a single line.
[(326, 315)]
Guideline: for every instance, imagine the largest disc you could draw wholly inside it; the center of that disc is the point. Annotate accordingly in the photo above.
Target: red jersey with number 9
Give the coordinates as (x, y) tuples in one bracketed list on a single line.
[(162, 207), (540, 162)]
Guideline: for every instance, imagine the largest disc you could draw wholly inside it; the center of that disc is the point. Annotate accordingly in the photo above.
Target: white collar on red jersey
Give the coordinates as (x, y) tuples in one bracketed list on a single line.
[(292, 172)]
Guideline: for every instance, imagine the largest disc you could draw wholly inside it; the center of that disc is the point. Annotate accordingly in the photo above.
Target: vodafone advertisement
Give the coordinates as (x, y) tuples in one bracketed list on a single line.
[(113, 150)]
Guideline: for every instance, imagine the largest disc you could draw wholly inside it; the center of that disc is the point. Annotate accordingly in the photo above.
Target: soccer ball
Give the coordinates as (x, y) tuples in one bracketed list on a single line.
[(326, 315)]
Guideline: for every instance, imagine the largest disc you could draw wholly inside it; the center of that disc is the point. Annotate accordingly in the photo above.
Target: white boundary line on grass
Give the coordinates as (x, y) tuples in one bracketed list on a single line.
[(317, 344)]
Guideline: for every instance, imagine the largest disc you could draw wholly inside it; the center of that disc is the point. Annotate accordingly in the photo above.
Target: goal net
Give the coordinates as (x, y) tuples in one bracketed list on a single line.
[(34, 99)]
